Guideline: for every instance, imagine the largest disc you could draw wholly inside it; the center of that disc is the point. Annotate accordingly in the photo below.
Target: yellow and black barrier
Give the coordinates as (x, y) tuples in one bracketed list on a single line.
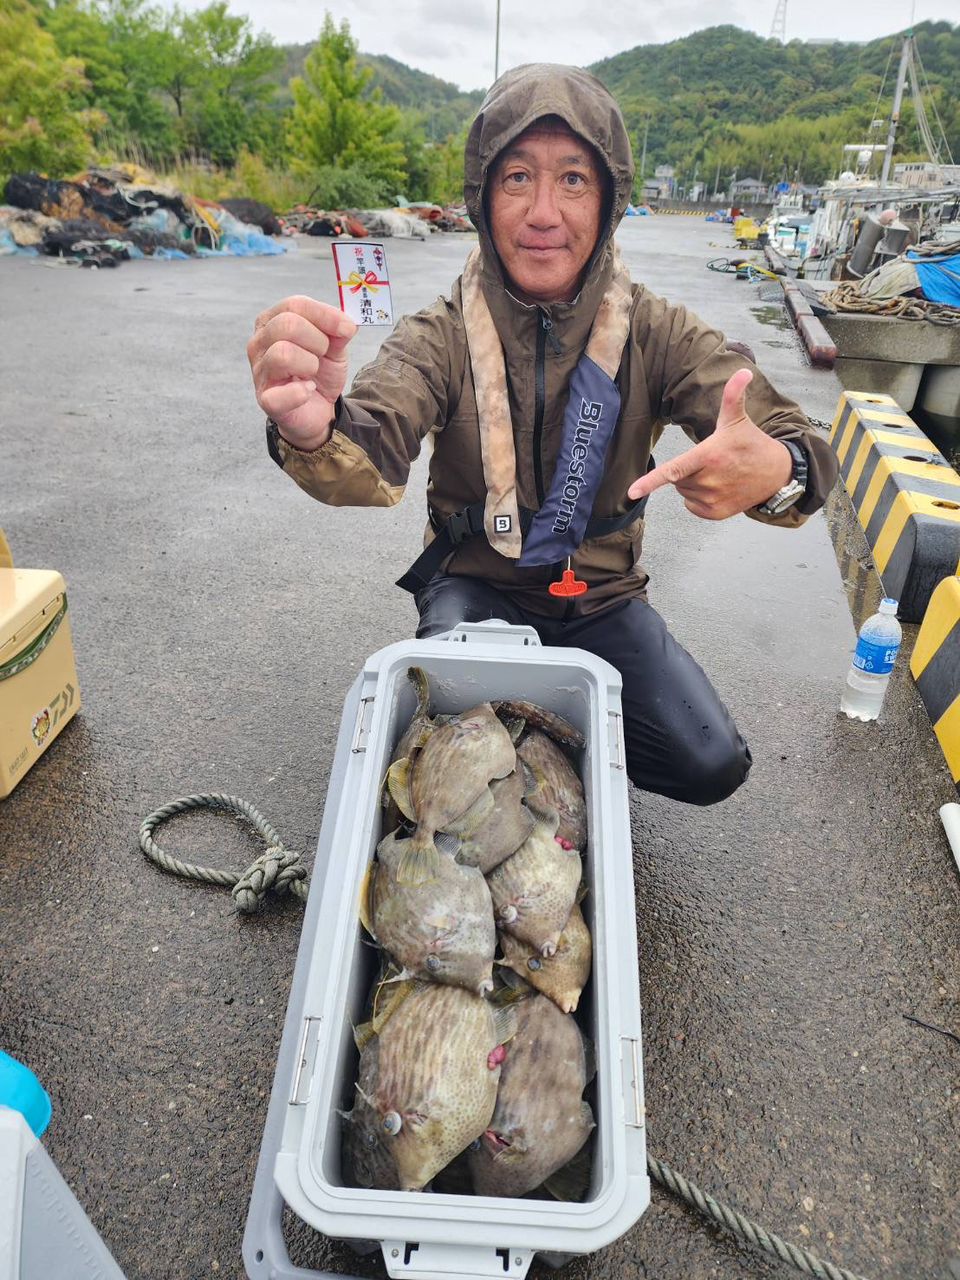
[(935, 666), (906, 496)]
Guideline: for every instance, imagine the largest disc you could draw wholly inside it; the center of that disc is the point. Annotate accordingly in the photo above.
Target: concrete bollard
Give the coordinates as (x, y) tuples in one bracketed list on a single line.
[(905, 494)]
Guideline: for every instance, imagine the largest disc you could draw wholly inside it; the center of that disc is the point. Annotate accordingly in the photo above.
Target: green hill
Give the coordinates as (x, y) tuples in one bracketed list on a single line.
[(724, 97), (444, 107), (729, 96)]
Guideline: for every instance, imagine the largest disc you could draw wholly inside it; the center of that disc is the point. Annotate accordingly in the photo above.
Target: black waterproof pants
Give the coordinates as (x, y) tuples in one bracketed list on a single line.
[(681, 741)]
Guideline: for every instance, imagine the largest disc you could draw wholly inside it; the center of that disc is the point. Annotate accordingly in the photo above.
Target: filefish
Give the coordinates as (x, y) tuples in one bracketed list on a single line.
[(429, 1086), (446, 785), (557, 727), (368, 1159), (442, 929), (534, 891), (561, 976), (557, 786), (506, 827), (541, 1120), (411, 740)]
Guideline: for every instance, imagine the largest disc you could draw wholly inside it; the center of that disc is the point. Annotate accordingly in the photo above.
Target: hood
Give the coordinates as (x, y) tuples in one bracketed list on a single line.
[(515, 101)]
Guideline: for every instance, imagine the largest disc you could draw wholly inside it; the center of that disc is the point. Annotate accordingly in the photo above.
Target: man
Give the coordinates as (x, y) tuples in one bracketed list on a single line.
[(544, 378)]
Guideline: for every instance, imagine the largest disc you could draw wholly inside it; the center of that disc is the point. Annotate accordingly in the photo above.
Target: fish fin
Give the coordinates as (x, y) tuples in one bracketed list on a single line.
[(504, 1023), (515, 726), (572, 1181), (398, 782), (365, 910), (363, 1034), (421, 685), (533, 779), (422, 738), (512, 989), (581, 893), (448, 843), (546, 816), (589, 1058), (510, 1155), (471, 818), (383, 1010), (418, 864)]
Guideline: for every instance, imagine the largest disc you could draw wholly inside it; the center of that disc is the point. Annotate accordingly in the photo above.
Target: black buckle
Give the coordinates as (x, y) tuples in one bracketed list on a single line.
[(460, 526)]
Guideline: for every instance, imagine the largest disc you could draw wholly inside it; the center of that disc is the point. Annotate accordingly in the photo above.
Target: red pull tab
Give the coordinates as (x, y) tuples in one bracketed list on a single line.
[(569, 585)]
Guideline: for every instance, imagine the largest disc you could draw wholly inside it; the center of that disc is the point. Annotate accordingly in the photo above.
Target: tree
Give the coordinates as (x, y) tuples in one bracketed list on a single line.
[(336, 123), (217, 74), (43, 122)]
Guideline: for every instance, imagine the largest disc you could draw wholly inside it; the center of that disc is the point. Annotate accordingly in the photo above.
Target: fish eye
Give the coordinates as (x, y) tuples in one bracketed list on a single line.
[(433, 963), (370, 1138), (392, 1123), (475, 1145), (534, 963)]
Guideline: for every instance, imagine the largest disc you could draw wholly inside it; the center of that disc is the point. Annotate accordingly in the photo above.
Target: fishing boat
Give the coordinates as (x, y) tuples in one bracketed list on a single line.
[(865, 220), (847, 236)]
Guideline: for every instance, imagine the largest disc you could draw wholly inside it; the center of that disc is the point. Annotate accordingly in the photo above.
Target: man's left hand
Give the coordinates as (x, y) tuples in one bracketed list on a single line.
[(736, 468)]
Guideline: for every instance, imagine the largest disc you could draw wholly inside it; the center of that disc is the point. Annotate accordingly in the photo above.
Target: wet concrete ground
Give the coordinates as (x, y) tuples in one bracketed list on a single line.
[(219, 618)]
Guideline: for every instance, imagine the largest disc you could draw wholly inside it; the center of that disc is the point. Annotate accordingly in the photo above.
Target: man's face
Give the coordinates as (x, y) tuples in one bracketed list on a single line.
[(545, 205)]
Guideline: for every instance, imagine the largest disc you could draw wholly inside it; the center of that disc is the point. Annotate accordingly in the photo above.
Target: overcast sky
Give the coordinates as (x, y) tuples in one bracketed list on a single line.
[(455, 40)]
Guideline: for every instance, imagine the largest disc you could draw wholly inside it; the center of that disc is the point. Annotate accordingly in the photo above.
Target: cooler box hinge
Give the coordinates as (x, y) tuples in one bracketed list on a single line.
[(364, 717), (634, 1113), (306, 1061)]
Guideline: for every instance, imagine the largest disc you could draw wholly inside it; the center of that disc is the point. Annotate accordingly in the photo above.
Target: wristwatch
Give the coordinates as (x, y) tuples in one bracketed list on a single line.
[(795, 488)]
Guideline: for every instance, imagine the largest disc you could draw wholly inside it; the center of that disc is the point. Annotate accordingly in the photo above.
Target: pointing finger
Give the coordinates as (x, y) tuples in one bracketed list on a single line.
[(672, 472)]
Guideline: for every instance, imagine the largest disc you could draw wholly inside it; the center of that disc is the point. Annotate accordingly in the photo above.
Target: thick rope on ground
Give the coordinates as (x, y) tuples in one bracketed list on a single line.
[(278, 869), (802, 1259), (847, 297)]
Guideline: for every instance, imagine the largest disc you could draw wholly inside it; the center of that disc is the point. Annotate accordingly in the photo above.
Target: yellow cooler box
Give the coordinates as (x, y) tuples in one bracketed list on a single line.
[(39, 693)]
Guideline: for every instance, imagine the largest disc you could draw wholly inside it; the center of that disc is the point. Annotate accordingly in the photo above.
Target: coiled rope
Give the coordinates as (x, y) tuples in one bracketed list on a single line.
[(281, 870), (847, 297), (278, 869)]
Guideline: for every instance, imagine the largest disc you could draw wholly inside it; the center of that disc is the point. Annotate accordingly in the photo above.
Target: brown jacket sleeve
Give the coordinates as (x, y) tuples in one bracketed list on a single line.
[(407, 391), (688, 366)]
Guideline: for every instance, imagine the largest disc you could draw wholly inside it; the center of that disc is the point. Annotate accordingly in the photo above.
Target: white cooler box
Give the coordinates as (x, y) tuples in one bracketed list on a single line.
[(424, 1235)]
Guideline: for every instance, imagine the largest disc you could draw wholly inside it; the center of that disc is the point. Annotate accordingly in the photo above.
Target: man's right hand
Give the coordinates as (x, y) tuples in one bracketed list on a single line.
[(298, 358)]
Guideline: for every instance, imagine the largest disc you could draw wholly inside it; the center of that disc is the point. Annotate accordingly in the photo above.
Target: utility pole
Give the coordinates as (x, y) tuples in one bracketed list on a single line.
[(496, 55), (716, 181), (905, 54), (643, 157)]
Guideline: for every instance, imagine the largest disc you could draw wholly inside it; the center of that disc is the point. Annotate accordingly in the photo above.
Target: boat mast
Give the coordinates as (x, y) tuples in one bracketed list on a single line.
[(905, 54)]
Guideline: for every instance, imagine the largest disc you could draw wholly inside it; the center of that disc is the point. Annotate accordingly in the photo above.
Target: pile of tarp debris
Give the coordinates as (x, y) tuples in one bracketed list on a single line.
[(413, 220), (105, 216)]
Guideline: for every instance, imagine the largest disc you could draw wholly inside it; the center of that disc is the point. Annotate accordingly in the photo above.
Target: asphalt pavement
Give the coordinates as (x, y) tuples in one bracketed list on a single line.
[(219, 617)]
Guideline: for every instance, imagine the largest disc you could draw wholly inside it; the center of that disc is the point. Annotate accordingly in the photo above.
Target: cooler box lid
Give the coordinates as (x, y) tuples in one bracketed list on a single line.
[(29, 601)]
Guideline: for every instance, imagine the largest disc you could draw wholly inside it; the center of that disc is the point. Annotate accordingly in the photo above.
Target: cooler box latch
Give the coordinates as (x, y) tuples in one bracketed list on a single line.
[(493, 631), (449, 1261)]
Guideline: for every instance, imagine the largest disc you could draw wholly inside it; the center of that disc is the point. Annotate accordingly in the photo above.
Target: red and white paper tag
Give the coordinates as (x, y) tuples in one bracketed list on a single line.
[(363, 282)]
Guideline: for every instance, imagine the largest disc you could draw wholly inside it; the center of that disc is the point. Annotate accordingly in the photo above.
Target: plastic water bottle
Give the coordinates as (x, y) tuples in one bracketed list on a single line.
[(877, 647)]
